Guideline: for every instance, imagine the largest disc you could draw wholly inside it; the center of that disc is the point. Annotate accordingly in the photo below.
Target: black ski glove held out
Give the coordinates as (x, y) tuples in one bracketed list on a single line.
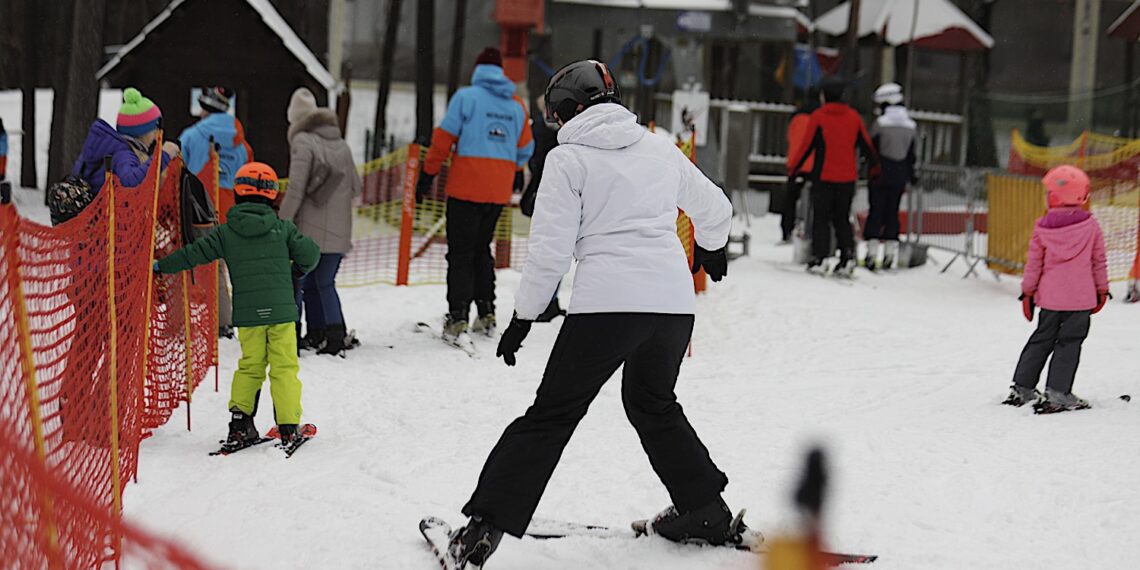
[(512, 339), (423, 185), (715, 263)]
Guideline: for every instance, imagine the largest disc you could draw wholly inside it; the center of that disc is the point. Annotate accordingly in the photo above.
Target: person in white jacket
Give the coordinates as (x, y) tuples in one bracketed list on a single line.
[(608, 198)]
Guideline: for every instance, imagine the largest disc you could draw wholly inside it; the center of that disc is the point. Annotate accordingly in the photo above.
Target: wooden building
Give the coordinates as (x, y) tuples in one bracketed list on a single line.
[(242, 44)]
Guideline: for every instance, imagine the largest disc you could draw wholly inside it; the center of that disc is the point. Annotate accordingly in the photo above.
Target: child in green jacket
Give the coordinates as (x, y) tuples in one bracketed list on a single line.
[(262, 253)]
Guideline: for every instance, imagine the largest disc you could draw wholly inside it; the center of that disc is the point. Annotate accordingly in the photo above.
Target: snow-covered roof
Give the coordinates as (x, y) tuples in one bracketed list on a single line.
[(759, 9), (1127, 26), (273, 21), (938, 24)]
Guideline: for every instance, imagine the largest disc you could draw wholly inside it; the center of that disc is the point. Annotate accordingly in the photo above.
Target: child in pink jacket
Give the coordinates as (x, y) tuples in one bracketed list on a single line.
[(1067, 276)]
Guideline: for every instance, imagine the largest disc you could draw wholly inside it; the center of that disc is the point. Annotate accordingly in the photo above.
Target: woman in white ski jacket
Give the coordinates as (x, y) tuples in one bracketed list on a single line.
[(608, 198)]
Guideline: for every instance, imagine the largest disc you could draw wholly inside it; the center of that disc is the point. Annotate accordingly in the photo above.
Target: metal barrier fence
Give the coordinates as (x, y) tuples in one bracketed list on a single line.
[(988, 215), (938, 133)]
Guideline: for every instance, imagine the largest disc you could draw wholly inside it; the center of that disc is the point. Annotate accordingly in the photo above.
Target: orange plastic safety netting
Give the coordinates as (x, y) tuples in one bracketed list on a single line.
[(79, 312), (47, 523)]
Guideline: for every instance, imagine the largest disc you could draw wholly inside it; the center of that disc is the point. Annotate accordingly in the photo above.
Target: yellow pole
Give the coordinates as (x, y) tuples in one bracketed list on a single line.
[(189, 344), (31, 386), (141, 401), (116, 484)]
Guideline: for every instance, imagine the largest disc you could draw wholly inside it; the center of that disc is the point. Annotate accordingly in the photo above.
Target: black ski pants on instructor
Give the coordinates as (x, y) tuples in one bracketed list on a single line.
[(831, 208), (470, 266), (589, 349)]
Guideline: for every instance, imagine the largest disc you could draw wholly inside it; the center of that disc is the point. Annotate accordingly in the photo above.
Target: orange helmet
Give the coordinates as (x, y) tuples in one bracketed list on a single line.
[(256, 179)]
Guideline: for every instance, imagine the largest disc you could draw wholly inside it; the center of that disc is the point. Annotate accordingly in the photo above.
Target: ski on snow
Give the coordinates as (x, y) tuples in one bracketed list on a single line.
[(753, 540), (307, 433), (463, 342), (437, 534)]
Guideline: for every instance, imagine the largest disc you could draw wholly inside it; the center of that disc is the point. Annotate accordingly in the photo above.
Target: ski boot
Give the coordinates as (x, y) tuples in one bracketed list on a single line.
[(242, 430), (1020, 395), (1133, 293), (334, 336), (473, 543), (289, 433), (454, 325), (890, 253), (711, 524), (1055, 401), (225, 332), (815, 266), (869, 262), (845, 267), (312, 341), (485, 323)]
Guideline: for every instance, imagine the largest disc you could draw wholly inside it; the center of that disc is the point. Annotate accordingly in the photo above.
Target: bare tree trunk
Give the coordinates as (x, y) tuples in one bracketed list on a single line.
[(387, 50), (981, 148), (425, 69), (78, 103), (28, 98), (456, 47)]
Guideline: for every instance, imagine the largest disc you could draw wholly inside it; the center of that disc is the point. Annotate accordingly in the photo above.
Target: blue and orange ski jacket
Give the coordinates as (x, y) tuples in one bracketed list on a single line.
[(487, 125)]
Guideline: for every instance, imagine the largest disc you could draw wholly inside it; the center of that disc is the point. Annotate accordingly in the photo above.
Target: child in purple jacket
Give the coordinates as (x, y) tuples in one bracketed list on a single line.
[(1066, 275)]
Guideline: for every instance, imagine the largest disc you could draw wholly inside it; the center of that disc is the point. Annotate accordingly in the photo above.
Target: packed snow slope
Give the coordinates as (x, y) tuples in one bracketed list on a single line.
[(899, 376)]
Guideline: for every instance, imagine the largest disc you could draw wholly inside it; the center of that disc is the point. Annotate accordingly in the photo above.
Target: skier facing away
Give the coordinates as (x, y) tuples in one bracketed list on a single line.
[(893, 135), (609, 199), (1066, 274), (262, 253), (834, 137)]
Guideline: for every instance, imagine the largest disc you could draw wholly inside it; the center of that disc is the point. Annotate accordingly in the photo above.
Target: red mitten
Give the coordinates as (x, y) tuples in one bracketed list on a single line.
[(1027, 306), (1102, 297)]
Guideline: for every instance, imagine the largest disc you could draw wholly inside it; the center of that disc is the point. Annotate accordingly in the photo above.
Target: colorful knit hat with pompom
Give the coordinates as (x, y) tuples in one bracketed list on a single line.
[(138, 115)]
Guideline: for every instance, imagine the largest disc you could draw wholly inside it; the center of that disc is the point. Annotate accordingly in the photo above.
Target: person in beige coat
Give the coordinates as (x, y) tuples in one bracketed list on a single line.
[(322, 185)]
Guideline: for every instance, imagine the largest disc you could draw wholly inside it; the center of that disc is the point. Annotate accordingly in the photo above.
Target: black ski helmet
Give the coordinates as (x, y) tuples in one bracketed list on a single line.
[(586, 83)]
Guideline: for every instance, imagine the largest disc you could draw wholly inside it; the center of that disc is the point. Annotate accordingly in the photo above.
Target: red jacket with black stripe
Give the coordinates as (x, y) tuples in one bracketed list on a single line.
[(834, 136)]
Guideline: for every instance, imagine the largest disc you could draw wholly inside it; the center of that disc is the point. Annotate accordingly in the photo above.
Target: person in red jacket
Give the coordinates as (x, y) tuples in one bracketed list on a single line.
[(835, 136), (796, 137)]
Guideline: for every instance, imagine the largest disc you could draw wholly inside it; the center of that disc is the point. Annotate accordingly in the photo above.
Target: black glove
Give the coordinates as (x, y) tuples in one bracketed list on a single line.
[(423, 185), (512, 339), (519, 182), (715, 263)]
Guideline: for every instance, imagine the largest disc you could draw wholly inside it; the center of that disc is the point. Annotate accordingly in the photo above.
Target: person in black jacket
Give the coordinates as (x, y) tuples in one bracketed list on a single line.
[(545, 139)]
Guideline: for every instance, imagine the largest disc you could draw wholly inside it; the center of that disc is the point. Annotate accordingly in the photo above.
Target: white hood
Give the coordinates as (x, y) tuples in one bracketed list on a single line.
[(607, 126)]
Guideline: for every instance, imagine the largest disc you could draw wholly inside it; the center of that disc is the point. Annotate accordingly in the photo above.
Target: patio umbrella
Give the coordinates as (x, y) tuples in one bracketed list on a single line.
[(931, 24)]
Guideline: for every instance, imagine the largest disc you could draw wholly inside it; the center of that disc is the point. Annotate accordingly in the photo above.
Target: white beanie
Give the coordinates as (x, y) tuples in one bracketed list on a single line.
[(301, 105)]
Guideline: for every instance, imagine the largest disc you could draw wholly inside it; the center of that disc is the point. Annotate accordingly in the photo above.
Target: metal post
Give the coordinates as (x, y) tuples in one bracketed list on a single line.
[(851, 55)]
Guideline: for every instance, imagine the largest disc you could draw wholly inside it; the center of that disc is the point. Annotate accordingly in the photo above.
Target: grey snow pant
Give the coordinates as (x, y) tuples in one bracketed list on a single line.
[(1059, 333)]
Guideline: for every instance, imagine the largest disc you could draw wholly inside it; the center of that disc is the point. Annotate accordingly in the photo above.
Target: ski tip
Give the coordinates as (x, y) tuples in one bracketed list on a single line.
[(1126, 397)]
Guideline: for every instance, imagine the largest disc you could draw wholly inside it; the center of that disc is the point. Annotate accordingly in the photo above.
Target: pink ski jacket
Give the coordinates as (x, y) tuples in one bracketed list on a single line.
[(1067, 265)]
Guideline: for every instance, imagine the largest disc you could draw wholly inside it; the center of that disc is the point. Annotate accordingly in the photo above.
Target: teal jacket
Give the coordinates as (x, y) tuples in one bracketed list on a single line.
[(260, 251)]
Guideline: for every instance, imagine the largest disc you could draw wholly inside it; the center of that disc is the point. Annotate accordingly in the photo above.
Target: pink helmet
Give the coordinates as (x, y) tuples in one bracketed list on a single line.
[(1067, 186)]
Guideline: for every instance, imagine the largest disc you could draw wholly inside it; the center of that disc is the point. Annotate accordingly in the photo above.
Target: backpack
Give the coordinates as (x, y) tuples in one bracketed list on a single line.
[(68, 197), (195, 208)]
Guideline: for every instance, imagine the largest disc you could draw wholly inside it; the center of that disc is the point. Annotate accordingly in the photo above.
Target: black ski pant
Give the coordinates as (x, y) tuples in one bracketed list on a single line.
[(589, 349), (791, 200), (831, 208), (883, 217), (470, 265), (1059, 333)]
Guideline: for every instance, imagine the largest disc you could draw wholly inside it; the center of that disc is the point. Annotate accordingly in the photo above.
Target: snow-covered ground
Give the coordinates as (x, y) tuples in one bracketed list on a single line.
[(899, 376)]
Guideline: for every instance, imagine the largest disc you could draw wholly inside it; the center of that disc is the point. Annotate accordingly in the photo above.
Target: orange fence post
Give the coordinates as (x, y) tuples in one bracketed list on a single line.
[(28, 363), (408, 214), (217, 196)]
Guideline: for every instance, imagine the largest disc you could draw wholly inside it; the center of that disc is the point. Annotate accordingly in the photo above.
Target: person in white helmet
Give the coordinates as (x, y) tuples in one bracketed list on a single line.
[(893, 134)]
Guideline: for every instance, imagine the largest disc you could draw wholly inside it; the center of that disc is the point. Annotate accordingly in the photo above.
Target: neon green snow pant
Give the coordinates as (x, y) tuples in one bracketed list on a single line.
[(275, 347)]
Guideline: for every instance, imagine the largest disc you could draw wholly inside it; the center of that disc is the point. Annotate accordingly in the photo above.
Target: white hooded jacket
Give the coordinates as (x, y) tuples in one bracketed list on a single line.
[(608, 198)]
